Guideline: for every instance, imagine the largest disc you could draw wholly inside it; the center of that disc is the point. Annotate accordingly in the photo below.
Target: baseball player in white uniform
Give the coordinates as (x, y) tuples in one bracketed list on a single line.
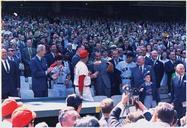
[(82, 79)]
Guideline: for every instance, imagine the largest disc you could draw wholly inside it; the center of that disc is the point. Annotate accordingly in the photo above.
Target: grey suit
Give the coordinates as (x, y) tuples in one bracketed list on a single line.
[(102, 82)]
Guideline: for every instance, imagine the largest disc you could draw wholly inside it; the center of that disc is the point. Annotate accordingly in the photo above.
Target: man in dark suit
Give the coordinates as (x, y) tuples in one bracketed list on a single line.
[(115, 75), (39, 73), (50, 57), (179, 90), (170, 69), (139, 72), (147, 59), (27, 54), (75, 59), (10, 77), (69, 51), (158, 68), (13, 57)]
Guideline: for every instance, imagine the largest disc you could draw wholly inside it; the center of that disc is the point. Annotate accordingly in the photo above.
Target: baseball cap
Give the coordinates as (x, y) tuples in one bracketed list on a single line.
[(146, 74), (8, 106), (22, 116), (83, 54)]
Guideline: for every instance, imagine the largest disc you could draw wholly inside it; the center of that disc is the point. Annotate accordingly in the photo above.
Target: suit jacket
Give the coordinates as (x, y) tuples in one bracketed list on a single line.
[(169, 67), (138, 76), (148, 61), (11, 80), (16, 60), (154, 92), (25, 55), (178, 91), (75, 59), (50, 59), (115, 75), (39, 77), (103, 76), (69, 53), (158, 68), (115, 79)]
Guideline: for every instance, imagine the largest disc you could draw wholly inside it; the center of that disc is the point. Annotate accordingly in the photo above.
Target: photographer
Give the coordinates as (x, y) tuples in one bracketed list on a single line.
[(114, 119)]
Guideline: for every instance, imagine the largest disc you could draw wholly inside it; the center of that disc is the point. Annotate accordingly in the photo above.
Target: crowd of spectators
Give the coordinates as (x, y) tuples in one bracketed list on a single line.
[(142, 55), (16, 114)]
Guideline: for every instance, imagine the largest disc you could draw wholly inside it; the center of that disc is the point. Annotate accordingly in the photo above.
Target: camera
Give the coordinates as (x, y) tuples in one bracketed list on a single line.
[(133, 94)]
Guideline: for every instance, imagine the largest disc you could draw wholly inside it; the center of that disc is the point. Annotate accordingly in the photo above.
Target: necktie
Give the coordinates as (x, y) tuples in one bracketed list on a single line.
[(141, 69), (12, 58), (180, 81), (154, 62), (7, 68), (30, 52)]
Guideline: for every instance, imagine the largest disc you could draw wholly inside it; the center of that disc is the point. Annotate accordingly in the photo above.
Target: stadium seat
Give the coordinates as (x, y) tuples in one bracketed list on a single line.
[(70, 91), (23, 85), (27, 94), (51, 93), (116, 99)]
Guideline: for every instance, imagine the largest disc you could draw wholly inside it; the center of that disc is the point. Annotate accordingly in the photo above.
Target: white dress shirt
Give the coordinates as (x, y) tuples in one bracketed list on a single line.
[(6, 61)]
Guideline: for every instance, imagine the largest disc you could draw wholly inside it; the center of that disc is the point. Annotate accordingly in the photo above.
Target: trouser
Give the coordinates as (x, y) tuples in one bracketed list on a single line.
[(181, 111), (169, 84), (7, 94), (115, 89), (27, 71), (40, 93), (60, 90), (149, 102), (158, 95), (87, 95)]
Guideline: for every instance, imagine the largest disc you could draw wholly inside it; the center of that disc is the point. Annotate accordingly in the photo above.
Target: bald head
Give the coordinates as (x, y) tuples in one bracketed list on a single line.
[(68, 117), (140, 60), (154, 55), (180, 69)]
